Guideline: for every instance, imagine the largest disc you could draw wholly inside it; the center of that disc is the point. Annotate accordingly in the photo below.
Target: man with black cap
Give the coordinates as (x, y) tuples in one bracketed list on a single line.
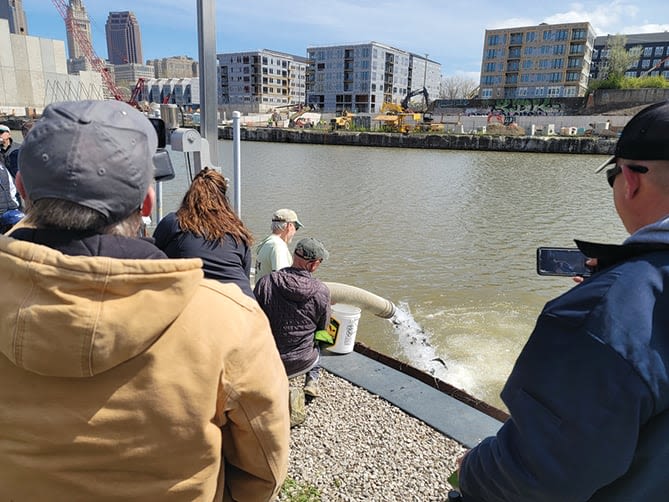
[(298, 305), (589, 393), (125, 375)]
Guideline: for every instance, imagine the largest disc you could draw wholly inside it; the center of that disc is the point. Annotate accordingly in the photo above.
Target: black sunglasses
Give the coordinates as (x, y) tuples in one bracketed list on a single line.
[(615, 171)]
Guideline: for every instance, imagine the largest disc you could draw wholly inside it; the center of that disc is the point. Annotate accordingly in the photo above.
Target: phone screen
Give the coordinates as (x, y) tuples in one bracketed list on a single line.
[(562, 261)]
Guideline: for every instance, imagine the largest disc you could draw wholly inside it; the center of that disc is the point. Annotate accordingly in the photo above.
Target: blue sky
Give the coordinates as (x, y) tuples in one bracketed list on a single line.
[(450, 32)]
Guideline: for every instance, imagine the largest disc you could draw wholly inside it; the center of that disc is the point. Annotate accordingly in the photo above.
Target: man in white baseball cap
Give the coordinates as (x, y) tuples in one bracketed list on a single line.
[(272, 253)]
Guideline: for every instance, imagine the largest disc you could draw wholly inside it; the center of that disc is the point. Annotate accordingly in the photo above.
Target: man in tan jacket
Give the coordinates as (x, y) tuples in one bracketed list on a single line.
[(125, 375)]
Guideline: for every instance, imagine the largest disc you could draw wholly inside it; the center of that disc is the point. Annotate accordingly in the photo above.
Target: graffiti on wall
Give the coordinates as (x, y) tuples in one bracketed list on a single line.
[(509, 107), (527, 107)]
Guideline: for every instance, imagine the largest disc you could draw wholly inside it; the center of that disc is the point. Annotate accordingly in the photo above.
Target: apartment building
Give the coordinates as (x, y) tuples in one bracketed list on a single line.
[(174, 67), (361, 77), (260, 81), (537, 61), (653, 49)]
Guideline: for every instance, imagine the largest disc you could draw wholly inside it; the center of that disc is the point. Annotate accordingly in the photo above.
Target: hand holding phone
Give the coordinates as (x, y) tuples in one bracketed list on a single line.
[(567, 262)]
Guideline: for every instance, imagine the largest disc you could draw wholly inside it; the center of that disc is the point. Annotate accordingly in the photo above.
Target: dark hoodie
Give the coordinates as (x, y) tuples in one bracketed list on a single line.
[(297, 305)]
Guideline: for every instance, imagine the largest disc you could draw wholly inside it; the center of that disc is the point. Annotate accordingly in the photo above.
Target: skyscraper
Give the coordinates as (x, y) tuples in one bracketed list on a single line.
[(124, 41), (77, 13), (77, 20), (12, 10)]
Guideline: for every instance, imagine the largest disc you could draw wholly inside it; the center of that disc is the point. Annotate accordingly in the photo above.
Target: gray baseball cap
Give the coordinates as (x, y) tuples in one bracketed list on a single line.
[(311, 249), (94, 153)]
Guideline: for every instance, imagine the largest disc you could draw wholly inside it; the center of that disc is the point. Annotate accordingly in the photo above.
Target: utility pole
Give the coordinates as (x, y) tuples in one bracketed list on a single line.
[(206, 16)]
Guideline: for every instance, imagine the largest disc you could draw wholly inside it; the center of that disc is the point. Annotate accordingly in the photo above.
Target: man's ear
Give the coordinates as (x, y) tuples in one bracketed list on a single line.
[(18, 182), (632, 182), (149, 202)]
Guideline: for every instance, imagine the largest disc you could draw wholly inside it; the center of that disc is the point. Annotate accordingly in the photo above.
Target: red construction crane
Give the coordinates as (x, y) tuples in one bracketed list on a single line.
[(87, 49), (137, 92)]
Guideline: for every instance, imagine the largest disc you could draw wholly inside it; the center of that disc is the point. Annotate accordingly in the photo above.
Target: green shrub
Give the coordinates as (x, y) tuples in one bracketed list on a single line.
[(292, 491), (614, 82)]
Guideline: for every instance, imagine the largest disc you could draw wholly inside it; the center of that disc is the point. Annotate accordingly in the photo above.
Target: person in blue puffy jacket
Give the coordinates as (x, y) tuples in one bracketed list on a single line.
[(589, 394)]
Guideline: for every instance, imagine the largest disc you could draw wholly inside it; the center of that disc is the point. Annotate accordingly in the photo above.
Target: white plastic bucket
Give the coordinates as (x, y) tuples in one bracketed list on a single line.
[(343, 327)]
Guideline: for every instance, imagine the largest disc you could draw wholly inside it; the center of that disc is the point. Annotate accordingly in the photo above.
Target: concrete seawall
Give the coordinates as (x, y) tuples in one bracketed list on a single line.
[(538, 144)]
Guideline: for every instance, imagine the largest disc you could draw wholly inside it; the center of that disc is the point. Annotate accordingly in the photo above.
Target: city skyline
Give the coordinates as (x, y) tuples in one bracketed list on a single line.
[(451, 34)]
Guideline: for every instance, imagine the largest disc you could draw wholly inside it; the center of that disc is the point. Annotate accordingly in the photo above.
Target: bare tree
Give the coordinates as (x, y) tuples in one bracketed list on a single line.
[(457, 86)]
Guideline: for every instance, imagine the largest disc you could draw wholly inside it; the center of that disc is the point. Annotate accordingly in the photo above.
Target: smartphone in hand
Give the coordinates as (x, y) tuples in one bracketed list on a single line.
[(568, 262)]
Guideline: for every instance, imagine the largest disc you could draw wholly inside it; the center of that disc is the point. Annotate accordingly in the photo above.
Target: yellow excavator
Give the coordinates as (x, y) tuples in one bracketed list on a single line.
[(392, 118), (344, 121), (399, 118)]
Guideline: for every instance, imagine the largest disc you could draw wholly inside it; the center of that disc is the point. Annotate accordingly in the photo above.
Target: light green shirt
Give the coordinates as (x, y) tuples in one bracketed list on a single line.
[(272, 254)]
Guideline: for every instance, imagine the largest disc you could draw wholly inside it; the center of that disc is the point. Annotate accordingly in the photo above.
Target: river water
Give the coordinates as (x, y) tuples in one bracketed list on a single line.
[(450, 237)]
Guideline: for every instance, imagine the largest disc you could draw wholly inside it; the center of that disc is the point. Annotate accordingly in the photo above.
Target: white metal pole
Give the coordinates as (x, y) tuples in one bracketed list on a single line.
[(236, 162), (159, 202)]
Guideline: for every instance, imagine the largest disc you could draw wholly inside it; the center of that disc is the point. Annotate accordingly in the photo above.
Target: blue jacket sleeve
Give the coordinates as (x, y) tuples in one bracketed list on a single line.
[(576, 408)]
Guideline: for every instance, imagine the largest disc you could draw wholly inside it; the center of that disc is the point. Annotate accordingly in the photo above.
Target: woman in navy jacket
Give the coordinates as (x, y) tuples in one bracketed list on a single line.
[(206, 227)]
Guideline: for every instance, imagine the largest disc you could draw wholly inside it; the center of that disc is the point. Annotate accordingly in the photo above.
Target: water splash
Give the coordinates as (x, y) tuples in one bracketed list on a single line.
[(415, 344)]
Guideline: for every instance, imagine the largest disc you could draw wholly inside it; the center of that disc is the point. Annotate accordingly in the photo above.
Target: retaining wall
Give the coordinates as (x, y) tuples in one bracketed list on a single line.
[(555, 144)]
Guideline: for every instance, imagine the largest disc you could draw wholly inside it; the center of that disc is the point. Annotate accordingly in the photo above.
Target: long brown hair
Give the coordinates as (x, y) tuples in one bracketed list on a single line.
[(206, 212)]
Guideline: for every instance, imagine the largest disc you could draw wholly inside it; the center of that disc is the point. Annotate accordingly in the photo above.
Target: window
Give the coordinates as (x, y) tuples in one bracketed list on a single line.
[(522, 92), (647, 52), (554, 92), (486, 93), (530, 36), (561, 35), (576, 49), (659, 51), (558, 49), (578, 34)]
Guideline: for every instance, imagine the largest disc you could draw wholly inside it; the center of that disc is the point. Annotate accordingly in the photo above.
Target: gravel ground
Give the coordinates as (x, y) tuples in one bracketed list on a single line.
[(355, 446)]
